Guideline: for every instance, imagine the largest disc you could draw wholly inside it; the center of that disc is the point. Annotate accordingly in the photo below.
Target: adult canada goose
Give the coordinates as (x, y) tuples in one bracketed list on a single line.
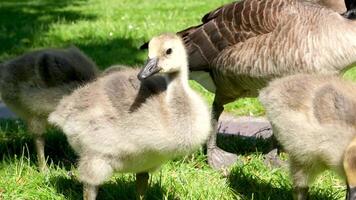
[(314, 119), (31, 85), (118, 123), (241, 46)]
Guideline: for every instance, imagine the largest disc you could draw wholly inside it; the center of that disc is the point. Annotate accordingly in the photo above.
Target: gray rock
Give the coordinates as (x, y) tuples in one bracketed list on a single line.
[(257, 127), (245, 134), (242, 135)]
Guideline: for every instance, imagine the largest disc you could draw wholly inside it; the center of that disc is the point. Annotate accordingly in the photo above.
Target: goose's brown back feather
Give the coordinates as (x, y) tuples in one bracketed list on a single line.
[(229, 25), (245, 44)]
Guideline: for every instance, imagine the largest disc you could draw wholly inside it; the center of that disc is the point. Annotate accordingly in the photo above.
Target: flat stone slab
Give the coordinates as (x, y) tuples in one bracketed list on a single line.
[(245, 134), (257, 127)]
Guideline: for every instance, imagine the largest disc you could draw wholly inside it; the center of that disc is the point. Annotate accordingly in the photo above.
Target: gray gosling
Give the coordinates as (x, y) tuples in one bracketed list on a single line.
[(118, 123), (314, 119), (31, 85)]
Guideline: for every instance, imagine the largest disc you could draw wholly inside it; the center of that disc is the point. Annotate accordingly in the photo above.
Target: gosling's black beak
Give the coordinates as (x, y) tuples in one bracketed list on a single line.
[(149, 69)]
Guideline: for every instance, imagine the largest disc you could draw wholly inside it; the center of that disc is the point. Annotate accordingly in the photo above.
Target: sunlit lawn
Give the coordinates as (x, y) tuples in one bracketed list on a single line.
[(110, 32)]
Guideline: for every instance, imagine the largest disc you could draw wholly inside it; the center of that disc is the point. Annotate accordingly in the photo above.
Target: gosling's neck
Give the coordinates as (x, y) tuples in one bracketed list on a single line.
[(179, 102), (178, 79), (178, 85)]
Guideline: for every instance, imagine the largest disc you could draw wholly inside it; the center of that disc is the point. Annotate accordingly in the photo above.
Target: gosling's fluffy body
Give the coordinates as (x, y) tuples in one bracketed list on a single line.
[(118, 123), (32, 85), (314, 119), (130, 124)]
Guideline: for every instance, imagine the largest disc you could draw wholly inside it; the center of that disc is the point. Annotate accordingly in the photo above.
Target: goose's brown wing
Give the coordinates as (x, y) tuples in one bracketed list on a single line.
[(228, 25)]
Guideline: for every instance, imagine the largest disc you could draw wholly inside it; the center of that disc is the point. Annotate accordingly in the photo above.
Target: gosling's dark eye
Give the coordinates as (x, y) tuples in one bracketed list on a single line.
[(168, 51)]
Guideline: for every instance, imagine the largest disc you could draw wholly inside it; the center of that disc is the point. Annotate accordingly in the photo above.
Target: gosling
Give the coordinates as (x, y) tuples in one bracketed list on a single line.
[(32, 85), (314, 119), (118, 123)]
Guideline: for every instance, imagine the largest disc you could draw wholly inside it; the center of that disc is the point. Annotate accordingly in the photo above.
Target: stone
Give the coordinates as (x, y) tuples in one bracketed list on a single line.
[(257, 127), (243, 135)]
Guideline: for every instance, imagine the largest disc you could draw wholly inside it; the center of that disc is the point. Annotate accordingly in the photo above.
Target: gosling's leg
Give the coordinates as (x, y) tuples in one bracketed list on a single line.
[(301, 176), (90, 192), (300, 193), (93, 171), (217, 158), (350, 170), (38, 127), (41, 159), (141, 185)]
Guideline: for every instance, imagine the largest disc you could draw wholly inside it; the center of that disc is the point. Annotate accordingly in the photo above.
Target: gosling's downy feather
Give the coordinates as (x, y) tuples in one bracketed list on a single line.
[(35, 82), (132, 125), (32, 85), (314, 120)]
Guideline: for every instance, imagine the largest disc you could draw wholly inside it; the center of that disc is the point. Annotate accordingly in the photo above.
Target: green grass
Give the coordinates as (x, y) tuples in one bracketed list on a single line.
[(186, 178), (110, 31)]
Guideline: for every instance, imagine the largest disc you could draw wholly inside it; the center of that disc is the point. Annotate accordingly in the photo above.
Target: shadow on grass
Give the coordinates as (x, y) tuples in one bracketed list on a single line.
[(240, 144), (254, 188), (116, 51), (14, 138), (122, 189), (22, 21)]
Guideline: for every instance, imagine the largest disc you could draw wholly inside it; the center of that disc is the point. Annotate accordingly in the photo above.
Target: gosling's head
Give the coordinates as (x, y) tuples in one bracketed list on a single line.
[(166, 54)]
